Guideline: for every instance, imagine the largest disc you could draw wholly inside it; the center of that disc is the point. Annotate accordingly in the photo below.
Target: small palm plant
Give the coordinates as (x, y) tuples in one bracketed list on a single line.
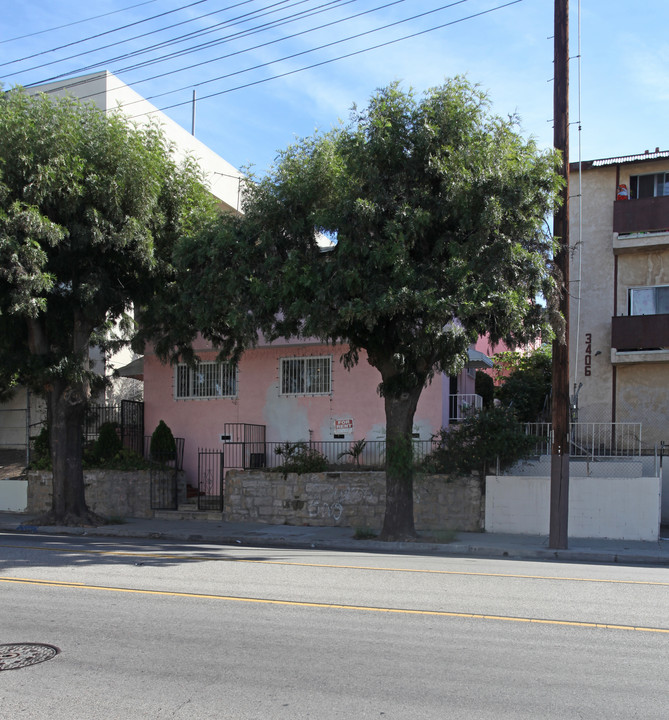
[(355, 451)]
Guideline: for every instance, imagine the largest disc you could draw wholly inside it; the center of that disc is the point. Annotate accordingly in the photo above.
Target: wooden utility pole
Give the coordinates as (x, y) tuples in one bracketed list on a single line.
[(559, 508)]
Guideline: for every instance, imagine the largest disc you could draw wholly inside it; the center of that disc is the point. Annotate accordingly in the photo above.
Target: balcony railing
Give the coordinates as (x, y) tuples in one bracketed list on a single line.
[(459, 406), (591, 440), (644, 215), (640, 332)]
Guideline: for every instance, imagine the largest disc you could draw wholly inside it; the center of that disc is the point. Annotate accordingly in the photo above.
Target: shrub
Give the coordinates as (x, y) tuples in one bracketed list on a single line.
[(527, 387), (41, 454), (108, 443), (163, 446), (354, 452), (485, 387), (477, 442), (300, 458)]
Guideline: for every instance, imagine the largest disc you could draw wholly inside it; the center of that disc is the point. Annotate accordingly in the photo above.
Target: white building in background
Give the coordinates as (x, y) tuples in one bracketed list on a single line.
[(224, 181)]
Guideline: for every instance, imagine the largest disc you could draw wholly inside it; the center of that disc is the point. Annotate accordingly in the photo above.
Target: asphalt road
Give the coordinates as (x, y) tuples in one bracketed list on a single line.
[(162, 630)]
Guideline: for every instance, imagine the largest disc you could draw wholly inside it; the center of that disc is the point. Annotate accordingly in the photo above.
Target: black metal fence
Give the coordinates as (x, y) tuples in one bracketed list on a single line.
[(176, 461), (211, 466), (337, 453), (128, 416)]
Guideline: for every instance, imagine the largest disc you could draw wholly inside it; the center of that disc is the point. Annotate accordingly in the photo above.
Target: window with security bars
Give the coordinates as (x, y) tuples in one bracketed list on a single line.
[(306, 376), (206, 380)]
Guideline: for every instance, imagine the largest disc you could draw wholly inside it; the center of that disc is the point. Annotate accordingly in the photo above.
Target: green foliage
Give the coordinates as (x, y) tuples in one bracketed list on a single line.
[(41, 451), (526, 382), (364, 533), (354, 452), (108, 443), (484, 386), (91, 206), (124, 460), (477, 442), (163, 446), (300, 458), (438, 209)]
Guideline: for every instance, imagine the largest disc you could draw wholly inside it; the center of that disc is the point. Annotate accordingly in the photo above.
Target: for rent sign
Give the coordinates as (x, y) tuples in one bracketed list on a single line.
[(343, 426)]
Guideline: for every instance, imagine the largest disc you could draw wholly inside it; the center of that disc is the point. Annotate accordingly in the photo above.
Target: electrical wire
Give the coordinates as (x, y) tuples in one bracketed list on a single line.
[(317, 64), (336, 59), (141, 36), (311, 50), (106, 32), (76, 22), (255, 47), (166, 43)]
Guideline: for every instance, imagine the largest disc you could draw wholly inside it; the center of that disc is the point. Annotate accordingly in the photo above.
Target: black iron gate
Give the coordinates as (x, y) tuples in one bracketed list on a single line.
[(132, 425), (164, 487), (210, 479)]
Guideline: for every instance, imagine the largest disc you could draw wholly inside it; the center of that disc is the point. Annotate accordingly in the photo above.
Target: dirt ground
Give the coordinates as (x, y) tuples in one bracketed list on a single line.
[(12, 463)]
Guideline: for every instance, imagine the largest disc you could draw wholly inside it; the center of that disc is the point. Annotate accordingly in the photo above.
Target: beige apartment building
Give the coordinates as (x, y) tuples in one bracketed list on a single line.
[(619, 280)]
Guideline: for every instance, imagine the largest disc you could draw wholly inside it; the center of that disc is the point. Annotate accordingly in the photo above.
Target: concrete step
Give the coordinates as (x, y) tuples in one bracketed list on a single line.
[(187, 512)]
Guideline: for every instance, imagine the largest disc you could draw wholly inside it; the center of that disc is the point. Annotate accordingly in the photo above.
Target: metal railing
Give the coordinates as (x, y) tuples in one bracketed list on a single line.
[(592, 440), (346, 454), (459, 406), (177, 461)]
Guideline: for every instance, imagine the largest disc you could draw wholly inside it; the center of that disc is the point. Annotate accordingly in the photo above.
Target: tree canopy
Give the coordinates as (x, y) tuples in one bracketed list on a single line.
[(526, 381), (90, 208), (438, 211)]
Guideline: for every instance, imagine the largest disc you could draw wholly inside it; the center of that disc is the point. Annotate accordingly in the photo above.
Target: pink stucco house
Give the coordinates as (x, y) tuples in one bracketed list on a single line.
[(298, 391)]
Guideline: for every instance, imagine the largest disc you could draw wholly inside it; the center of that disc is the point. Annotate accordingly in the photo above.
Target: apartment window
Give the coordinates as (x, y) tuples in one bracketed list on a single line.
[(647, 186), (649, 300), (206, 380), (306, 376)]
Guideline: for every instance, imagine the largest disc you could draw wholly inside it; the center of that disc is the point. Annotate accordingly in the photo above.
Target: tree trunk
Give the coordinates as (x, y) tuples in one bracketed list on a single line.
[(66, 407), (398, 521)]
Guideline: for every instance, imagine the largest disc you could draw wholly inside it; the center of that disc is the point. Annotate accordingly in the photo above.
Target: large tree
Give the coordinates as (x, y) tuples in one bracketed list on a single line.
[(438, 211), (90, 207)]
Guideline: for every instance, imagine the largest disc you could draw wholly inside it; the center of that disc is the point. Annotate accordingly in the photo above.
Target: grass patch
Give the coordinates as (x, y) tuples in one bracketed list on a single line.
[(364, 533), (439, 536)]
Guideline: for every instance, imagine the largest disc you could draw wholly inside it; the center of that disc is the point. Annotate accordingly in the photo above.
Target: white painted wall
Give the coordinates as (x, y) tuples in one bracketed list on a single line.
[(615, 508), (110, 93), (13, 495)]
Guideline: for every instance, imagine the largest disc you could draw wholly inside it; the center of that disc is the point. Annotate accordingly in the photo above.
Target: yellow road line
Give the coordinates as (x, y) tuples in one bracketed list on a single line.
[(330, 606), (206, 558)]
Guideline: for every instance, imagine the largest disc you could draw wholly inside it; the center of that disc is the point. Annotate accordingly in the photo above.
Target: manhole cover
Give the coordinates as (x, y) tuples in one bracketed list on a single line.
[(18, 655)]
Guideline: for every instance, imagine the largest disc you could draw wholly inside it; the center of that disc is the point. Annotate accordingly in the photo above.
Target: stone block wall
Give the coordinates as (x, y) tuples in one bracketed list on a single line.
[(108, 492), (348, 499)]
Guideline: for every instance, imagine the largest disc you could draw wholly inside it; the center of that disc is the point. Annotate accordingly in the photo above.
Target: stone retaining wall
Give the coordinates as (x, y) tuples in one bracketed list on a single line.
[(349, 499), (111, 493)]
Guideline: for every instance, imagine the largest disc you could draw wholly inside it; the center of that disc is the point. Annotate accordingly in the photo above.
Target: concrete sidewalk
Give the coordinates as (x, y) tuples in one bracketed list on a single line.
[(484, 545)]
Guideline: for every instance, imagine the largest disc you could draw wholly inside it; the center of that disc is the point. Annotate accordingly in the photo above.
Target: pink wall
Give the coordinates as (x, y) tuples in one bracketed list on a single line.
[(287, 418)]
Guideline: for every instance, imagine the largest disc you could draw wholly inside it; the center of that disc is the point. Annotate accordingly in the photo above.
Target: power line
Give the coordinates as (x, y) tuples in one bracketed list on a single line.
[(76, 22), (310, 50), (332, 60), (166, 43), (261, 45), (273, 25), (106, 32)]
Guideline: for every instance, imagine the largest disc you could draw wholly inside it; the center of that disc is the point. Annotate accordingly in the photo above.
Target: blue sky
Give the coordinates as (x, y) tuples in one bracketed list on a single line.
[(508, 51)]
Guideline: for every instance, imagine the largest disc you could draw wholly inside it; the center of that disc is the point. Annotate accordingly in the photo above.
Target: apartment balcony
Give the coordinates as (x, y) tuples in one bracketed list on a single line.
[(459, 406), (641, 216), (639, 338)]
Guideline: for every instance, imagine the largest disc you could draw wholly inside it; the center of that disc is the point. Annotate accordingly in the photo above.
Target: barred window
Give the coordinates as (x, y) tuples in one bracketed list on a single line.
[(306, 376), (206, 380)]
